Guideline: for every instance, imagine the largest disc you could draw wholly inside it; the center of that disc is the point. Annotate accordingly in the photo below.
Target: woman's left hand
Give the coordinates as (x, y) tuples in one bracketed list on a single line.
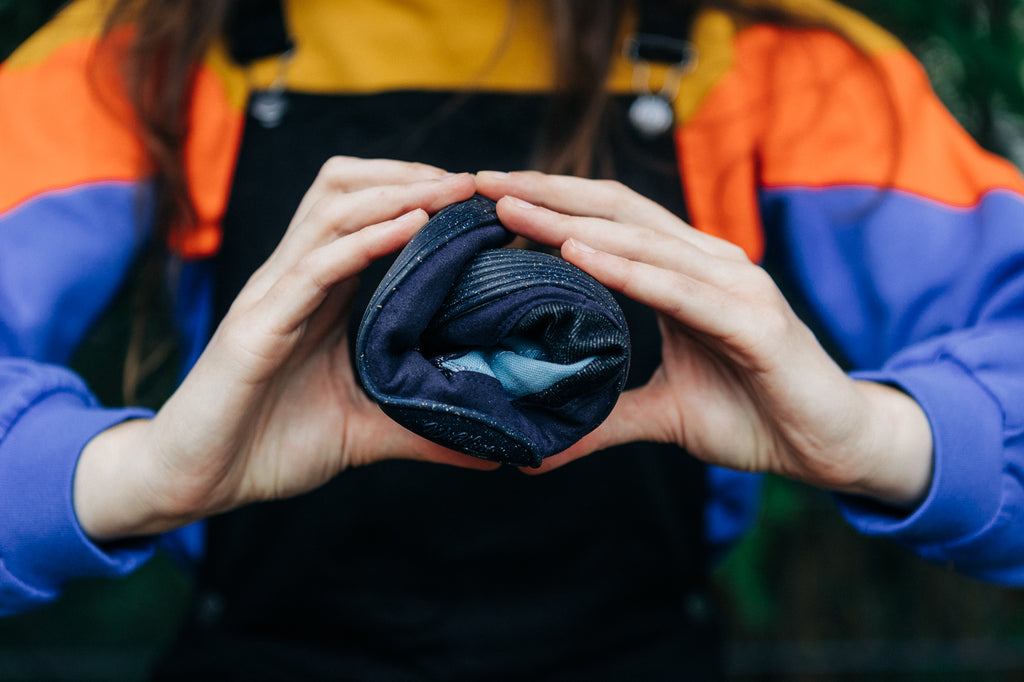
[(743, 382)]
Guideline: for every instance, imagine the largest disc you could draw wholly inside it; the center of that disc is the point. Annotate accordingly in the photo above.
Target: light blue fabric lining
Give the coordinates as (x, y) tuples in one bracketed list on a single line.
[(518, 364)]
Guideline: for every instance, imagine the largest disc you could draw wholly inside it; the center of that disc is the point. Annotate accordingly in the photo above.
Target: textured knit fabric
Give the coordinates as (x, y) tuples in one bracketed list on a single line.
[(507, 355)]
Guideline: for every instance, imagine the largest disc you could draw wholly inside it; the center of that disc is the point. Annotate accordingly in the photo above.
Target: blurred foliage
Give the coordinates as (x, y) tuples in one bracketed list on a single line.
[(974, 52), (19, 18), (805, 597)]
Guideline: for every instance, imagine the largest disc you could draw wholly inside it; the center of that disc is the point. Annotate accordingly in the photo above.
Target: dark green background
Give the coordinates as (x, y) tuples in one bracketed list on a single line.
[(805, 597)]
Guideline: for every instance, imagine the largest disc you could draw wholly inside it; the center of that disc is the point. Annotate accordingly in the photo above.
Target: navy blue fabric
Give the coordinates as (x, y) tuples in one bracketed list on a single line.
[(449, 292)]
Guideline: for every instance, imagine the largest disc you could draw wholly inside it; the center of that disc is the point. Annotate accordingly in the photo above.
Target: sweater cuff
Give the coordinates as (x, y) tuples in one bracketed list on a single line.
[(966, 488), (42, 545)]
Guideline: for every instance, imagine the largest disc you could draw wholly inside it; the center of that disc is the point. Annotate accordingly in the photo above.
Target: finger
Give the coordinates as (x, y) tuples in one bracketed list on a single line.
[(605, 199), (330, 320), (296, 295), (696, 304), (340, 214), (636, 243), (579, 196), (348, 174)]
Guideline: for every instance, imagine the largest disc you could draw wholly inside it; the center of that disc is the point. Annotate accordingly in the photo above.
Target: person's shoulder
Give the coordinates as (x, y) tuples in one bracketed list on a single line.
[(814, 31), (782, 47), (762, 51), (814, 17)]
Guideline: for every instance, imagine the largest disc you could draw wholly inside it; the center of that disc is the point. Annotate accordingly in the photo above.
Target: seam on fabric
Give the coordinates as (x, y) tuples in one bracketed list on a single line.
[(19, 202), (34, 593), (957, 206), (39, 398), (944, 354)]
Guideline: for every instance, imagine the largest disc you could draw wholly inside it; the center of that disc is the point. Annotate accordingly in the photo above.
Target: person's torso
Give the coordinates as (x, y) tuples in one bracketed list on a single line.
[(404, 570)]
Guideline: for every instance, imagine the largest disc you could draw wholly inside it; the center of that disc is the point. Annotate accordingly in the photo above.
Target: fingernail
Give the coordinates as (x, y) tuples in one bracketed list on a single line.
[(576, 244), (521, 203), (497, 175)]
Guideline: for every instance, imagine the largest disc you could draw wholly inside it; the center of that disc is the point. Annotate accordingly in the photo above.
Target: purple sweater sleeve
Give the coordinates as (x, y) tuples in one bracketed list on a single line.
[(63, 256), (930, 298), (971, 384), (46, 418)]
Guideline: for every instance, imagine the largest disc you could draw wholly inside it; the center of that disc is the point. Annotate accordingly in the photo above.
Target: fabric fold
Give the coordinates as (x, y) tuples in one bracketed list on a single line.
[(504, 354)]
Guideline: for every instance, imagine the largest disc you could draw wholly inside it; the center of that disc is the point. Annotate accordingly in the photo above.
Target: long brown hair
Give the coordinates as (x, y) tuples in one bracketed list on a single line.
[(171, 37)]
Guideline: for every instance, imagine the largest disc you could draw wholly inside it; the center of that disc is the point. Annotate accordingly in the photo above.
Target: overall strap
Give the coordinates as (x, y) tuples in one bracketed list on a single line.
[(257, 29), (663, 31)]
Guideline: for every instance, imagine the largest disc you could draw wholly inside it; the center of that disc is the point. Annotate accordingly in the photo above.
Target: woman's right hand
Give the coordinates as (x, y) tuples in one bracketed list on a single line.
[(272, 408), (743, 382)]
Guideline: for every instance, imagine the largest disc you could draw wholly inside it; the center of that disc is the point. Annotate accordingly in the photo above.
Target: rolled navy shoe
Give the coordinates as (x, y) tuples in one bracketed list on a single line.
[(504, 354)]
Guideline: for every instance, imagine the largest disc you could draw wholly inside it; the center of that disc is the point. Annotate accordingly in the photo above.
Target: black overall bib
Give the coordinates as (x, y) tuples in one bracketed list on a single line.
[(414, 571)]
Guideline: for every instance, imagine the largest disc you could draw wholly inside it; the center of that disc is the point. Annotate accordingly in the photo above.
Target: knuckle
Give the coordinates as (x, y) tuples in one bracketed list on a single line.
[(326, 217), (311, 273), (246, 299), (317, 273), (733, 251), (640, 235), (774, 322), (626, 273), (377, 196), (528, 179), (235, 331), (324, 210), (424, 169), (334, 170), (757, 280), (621, 202), (683, 289), (613, 187)]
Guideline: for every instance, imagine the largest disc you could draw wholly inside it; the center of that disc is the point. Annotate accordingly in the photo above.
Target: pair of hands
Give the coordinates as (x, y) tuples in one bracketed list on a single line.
[(272, 408)]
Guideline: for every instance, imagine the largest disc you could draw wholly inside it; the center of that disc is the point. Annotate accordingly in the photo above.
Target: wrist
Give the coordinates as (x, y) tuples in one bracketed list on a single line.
[(109, 491), (897, 448)]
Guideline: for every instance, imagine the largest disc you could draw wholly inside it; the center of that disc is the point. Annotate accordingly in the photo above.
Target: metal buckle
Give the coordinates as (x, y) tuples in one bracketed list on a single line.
[(650, 47), (651, 113)]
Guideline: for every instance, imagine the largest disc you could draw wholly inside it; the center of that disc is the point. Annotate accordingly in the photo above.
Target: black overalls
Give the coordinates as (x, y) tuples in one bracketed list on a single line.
[(415, 571)]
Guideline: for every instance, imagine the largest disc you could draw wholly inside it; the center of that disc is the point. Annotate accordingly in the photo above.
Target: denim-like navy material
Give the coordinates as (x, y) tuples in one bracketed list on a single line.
[(449, 292)]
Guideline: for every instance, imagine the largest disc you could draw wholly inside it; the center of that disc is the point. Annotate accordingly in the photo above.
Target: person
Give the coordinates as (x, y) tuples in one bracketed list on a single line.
[(278, 152)]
